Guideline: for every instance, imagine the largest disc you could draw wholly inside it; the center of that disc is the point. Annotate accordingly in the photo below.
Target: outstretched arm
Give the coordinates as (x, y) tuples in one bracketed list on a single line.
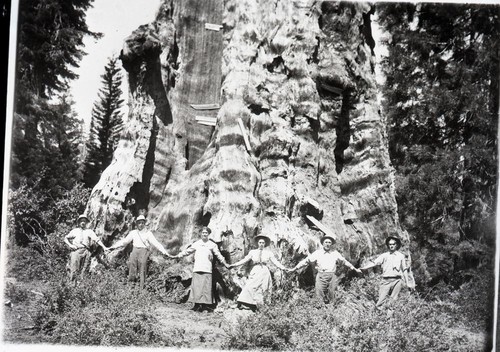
[(276, 262), (242, 261), (123, 242), (348, 264), (310, 259), (152, 239), (96, 239), (219, 256), (372, 263), (185, 252), (99, 242)]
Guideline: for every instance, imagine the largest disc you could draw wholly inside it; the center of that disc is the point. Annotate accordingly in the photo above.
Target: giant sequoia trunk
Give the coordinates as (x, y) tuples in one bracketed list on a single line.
[(300, 76)]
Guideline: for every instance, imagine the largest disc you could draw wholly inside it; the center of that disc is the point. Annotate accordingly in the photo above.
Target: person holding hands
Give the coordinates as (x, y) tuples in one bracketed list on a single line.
[(79, 240), (259, 284), (394, 271), (142, 240), (201, 283), (325, 259)]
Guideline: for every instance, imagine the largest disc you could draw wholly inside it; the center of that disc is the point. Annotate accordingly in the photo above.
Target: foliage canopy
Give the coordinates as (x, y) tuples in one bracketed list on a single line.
[(441, 99)]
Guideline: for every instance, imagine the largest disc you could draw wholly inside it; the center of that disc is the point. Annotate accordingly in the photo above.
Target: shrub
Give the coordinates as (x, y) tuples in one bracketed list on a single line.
[(102, 311), (33, 212), (38, 263), (15, 293), (473, 301), (351, 323)]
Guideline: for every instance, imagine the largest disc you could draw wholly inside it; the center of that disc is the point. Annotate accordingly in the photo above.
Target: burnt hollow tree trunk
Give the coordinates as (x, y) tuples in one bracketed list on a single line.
[(300, 77)]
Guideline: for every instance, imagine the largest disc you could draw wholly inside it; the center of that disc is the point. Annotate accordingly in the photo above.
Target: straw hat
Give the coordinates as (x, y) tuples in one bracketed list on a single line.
[(327, 238), (262, 237)]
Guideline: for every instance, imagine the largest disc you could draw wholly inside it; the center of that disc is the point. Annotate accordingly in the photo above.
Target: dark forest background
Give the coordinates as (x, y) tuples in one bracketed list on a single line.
[(441, 101)]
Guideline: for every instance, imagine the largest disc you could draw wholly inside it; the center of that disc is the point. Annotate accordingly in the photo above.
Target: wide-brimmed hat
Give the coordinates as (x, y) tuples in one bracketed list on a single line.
[(395, 238), (327, 238), (262, 237), (140, 218), (83, 216)]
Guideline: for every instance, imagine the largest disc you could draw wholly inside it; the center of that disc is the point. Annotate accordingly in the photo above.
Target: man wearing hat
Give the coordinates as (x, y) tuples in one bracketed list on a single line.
[(79, 240), (394, 271), (142, 239), (326, 259)]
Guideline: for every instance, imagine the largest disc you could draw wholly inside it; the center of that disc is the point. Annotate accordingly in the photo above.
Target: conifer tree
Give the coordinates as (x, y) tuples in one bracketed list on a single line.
[(441, 99), (106, 124), (46, 133), (50, 41)]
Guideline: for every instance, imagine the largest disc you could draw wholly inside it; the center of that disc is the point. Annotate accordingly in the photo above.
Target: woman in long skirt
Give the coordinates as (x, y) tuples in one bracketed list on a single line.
[(201, 283), (259, 284)]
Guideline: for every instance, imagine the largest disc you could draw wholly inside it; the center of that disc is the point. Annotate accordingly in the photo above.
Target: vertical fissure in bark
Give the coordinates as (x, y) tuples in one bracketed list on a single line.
[(343, 132), (366, 29), (315, 126), (203, 219), (318, 169), (155, 88), (289, 205), (140, 190), (186, 154), (174, 64)]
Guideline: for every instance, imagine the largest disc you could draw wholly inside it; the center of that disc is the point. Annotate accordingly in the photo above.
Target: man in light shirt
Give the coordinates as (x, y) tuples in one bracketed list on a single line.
[(326, 260), (80, 240), (394, 271), (142, 240)]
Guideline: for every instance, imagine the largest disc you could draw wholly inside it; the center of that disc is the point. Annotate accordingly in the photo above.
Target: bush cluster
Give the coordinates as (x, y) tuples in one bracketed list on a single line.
[(34, 213), (102, 310), (14, 293), (45, 262), (351, 322)]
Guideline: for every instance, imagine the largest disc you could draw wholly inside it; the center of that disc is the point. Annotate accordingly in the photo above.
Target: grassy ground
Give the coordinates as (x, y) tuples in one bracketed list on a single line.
[(104, 311)]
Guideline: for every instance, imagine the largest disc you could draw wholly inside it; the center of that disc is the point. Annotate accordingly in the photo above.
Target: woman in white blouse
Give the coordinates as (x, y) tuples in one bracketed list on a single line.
[(201, 283), (259, 283)]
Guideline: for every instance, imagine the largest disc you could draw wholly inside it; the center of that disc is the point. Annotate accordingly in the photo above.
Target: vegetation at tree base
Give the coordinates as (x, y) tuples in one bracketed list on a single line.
[(34, 214), (441, 101), (105, 126), (104, 310), (424, 322)]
